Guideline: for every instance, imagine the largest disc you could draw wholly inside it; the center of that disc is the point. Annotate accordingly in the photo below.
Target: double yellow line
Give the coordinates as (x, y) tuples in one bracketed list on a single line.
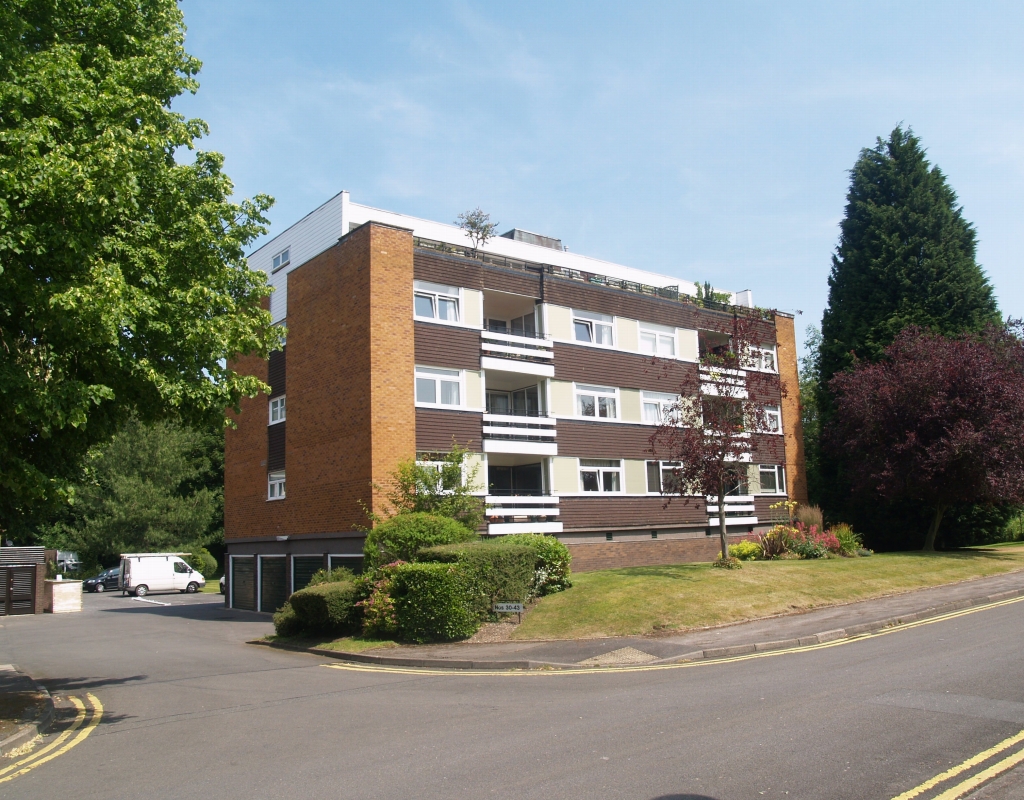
[(73, 736), (976, 780)]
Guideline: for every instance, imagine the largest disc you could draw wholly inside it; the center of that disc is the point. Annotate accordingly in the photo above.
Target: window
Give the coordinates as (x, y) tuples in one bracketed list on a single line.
[(660, 407), (445, 478), (434, 301), (181, 567), (722, 413), (282, 259), (438, 386), (592, 328), (277, 410), (657, 340), (662, 477), (596, 401), (761, 358), (275, 486), (773, 419), (600, 475), (736, 482), (773, 478)]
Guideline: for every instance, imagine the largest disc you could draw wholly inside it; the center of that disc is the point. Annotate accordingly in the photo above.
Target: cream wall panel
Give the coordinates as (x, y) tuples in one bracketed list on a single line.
[(559, 322), (688, 348), (473, 307), (563, 403), (636, 476), (630, 400), (479, 482), (565, 474), (627, 334), (753, 479), (474, 389)]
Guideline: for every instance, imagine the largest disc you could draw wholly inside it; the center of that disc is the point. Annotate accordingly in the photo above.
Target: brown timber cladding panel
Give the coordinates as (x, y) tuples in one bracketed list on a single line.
[(611, 368), (593, 513), (276, 373), (447, 346), (604, 439), (616, 555), (455, 271), (275, 446), (762, 507), (435, 429)]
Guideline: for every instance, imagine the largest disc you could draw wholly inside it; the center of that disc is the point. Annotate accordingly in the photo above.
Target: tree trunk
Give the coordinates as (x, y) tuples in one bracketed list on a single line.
[(721, 524), (933, 529)]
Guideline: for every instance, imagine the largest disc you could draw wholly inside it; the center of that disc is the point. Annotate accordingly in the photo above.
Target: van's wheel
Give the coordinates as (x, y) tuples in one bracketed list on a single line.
[(192, 588), (141, 591), (100, 587)]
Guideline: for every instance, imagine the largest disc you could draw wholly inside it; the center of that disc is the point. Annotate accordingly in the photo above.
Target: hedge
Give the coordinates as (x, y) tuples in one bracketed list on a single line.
[(432, 603), (553, 572), (328, 608), (401, 537), (499, 572)]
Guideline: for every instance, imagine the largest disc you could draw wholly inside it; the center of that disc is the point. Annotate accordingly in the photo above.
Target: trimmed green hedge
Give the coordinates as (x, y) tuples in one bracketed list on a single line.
[(494, 572), (553, 573), (286, 621), (401, 537), (328, 607), (432, 603)]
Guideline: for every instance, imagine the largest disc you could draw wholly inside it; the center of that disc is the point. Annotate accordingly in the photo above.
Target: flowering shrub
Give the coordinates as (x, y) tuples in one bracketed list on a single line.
[(379, 608), (728, 563), (745, 551), (849, 542), (775, 542), (812, 542)]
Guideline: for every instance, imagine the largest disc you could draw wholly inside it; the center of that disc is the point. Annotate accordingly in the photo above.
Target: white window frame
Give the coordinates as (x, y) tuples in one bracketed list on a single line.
[(780, 478), (276, 489), (598, 393), (437, 465), (662, 467), (592, 320), (663, 402), (601, 471), (665, 343), (773, 419), (281, 259), (277, 407), (439, 374), (762, 359), (436, 292)]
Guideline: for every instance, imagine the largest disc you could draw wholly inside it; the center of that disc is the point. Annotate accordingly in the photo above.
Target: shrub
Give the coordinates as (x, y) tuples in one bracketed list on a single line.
[(775, 542), (494, 572), (849, 542), (811, 542), (202, 562), (808, 516), (379, 606), (728, 563), (286, 621), (328, 607), (431, 603), (401, 537), (552, 571), (745, 551), (336, 575)]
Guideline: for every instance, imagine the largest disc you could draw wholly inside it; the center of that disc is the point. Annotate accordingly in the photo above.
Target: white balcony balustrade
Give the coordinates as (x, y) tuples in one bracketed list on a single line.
[(521, 514), (739, 510), (515, 433), (510, 352)]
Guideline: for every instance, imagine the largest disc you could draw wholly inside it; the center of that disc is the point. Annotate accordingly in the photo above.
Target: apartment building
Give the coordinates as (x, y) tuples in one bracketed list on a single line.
[(402, 339)]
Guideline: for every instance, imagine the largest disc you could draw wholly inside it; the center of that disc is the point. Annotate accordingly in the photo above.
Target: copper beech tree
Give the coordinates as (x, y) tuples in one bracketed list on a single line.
[(727, 414), (938, 421)]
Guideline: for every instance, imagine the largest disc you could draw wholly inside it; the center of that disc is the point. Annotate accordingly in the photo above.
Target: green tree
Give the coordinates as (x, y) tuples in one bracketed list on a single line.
[(152, 487), (810, 373), (123, 284)]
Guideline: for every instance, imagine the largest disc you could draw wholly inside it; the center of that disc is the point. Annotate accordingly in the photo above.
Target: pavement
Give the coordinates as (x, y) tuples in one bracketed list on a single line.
[(26, 709), (177, 704), (796, 630)]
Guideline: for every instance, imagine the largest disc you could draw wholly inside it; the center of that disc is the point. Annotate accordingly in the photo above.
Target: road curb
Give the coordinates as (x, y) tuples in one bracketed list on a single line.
[(709, 654), (33, 728)]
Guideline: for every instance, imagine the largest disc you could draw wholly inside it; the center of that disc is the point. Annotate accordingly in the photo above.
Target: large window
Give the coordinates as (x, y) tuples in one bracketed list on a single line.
[(736, 482), (660, 407), (600, 475), (277, 410), (662, 477), (722, 413), (596, 401), (435, 301), (438, 387), (657, 340), (275, 486), (592, 328), (773, 478)]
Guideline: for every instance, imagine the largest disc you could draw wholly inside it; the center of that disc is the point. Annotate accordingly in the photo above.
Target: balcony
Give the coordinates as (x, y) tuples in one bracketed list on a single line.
[(520, 433), (533, 513), (517, 352), (739, 510)]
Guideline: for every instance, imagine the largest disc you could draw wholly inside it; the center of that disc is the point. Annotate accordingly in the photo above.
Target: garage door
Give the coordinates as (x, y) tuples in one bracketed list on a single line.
[(303, 568), (18, 590), (243, 583), (273, 583), (354, 563)]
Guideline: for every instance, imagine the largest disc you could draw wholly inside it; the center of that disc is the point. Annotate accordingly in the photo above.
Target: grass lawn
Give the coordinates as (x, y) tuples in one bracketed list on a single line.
[(621, 602)]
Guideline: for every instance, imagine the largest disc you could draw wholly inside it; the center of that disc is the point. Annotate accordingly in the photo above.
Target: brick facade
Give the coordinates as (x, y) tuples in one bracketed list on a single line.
[(653, 552)]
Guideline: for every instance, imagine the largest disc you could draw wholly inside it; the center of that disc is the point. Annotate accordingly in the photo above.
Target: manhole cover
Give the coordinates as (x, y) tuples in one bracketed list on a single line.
[(624, 655)]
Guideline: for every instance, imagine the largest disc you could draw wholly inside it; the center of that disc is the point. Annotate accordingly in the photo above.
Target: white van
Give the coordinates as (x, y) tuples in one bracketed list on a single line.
[(142, 573)]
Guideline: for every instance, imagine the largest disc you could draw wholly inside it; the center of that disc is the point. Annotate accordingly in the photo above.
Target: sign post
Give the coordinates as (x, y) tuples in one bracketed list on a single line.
[(510, 608)]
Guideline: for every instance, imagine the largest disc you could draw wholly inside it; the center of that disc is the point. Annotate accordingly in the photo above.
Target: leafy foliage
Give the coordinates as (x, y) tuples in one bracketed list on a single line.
[(938, 421), (707, 297), (328, 607), (202, 562), (850, 543), (286, 621), (746, 551), (123, 283), (432, 603), (552, 568), (336, 575), (477, 225), (379, 605), (494, 572), (774, 542), (400, 538)]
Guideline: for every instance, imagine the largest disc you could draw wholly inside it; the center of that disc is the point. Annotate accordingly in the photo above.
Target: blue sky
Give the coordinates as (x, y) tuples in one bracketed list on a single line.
[(709, 141)]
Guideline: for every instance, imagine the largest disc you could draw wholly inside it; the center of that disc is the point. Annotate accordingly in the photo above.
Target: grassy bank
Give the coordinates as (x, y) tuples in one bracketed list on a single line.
[(643, 600)]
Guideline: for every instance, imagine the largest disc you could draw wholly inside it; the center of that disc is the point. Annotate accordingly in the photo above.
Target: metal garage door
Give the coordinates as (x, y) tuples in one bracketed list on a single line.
[(243, 582), (354, 563), (273, 583), (303, 568), (18, 590)]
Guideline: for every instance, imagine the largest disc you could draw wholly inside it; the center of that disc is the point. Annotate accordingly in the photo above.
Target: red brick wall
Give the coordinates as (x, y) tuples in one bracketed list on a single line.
[(614, 555)]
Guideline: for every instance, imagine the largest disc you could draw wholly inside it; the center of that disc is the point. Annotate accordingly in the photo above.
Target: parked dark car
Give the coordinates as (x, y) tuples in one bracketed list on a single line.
[(102, 582)]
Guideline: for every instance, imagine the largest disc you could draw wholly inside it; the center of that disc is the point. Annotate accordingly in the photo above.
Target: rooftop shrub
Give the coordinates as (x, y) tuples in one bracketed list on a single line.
[(401, 537)]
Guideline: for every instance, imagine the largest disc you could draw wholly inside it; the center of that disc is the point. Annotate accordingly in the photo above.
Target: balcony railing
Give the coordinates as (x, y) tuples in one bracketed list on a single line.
[(514, 353), (739, 510), (522, 513), (514, 433)]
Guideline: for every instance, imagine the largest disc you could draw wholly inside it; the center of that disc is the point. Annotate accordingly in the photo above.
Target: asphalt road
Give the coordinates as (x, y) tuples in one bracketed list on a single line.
[(190, 710)]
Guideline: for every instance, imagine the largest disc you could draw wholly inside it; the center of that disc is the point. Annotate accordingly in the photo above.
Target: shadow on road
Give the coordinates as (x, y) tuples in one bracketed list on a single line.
[(71, 685), (198, 611)]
